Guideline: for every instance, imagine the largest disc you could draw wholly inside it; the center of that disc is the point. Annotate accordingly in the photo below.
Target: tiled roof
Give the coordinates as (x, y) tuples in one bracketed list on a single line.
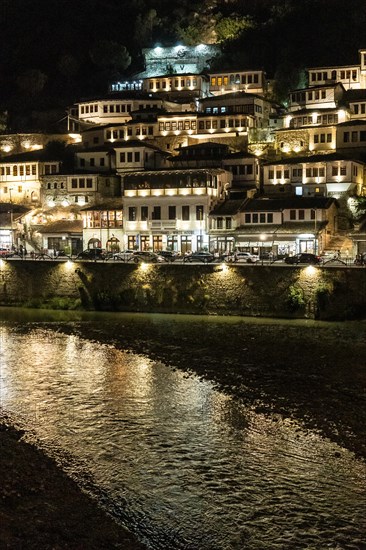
[(41, 155), (276, 230), (229, 207), (108, 205), (257, 205), (62, 226), (311, 158), (231, 95)]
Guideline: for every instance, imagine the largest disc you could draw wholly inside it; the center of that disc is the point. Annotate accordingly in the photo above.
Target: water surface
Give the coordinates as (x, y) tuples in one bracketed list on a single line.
[(181, 463)]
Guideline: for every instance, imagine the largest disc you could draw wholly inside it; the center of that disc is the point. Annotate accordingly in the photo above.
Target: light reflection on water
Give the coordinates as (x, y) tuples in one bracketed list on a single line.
[(192, 468)]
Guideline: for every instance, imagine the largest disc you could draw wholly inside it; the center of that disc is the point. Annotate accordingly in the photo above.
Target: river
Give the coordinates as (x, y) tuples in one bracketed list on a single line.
[(170, 451)]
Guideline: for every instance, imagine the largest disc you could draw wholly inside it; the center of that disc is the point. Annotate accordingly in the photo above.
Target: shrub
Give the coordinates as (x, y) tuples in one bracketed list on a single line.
[(295, 298)]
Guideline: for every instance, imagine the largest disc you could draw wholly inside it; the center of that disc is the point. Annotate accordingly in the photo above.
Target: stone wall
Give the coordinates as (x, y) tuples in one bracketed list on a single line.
[(248, 290)]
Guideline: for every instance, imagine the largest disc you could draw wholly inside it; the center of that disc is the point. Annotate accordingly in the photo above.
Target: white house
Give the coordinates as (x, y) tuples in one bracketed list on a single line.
[(20, 176), (328, 175), (169, 208), (351, 76), (282, 226), (326, 96), (253, 82)]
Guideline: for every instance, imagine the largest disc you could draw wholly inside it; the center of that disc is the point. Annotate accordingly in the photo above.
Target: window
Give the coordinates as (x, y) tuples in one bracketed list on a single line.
[(129, 156), (292, 214), (92, 161), (219, 223), (172, 212), (74, 183), (301, 214), (262, 217), (122, 157), (185, 213), (199, 212), (343, 171), (132, 212), (89, 183), (334, 170), (156, 213), (255, 218), (247, 218), (137, 156), (144, 213), (270, 218), (102, 161)]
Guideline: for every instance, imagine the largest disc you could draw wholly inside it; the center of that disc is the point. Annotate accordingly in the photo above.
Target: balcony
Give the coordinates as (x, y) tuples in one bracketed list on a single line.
[(162, 225)]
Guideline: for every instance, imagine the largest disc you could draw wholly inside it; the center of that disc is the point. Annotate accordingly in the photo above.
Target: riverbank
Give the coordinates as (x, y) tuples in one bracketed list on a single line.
[(41, 508)]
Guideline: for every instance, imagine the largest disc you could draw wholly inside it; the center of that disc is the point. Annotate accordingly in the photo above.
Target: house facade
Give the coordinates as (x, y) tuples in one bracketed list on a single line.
[(281, 227), (169, 208)]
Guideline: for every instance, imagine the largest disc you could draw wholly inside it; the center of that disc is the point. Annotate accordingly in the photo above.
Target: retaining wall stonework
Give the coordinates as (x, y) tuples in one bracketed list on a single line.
[(247, 290)]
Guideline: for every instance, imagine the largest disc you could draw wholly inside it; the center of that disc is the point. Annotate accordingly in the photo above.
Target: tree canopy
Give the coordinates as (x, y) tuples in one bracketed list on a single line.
[(56, 51)]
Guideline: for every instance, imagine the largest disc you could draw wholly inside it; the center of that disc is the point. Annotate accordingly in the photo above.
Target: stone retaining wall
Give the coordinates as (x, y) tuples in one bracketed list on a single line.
[(248, 290)]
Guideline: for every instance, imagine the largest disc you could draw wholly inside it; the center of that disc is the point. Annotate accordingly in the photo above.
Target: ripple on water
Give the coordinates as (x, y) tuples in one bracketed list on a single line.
[(184, 465)]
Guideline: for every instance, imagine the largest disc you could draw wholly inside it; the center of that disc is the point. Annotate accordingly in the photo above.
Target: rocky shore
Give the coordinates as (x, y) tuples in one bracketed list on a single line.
[(41, 508)]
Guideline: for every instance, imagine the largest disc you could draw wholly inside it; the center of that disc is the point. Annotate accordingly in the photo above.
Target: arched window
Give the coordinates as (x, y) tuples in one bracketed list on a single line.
[(113, 244), (94, 243)]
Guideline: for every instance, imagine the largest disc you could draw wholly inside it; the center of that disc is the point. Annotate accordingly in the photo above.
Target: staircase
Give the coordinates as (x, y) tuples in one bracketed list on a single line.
[(340, 242)]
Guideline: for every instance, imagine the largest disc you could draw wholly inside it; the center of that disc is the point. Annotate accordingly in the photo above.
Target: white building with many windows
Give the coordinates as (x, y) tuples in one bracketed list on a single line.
[(20, 176), (169, 208)]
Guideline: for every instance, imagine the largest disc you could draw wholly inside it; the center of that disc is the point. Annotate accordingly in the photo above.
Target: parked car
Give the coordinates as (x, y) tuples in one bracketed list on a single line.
[(246, 257), (5, 253), (303, 258), (92, 254), (168, 255), (124, 256), (204, 257), (146, 256)]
